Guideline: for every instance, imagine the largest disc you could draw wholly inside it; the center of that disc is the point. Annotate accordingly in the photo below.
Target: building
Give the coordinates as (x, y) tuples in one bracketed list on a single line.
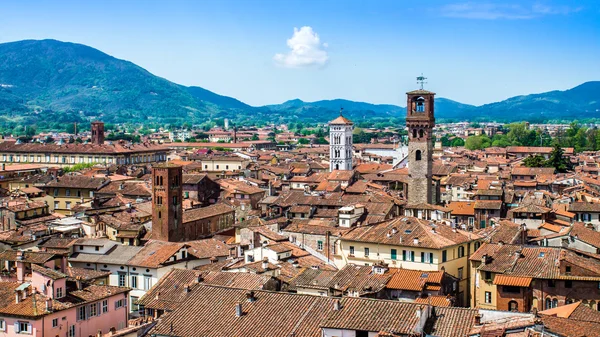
[(420, 122), (411, 243), (97, 151), (167, 210), (524, 278), (340, 143), (47, 306), (68, 191)]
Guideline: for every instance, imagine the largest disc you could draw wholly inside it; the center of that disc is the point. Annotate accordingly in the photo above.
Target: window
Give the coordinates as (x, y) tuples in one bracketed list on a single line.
[(119, 304), (104, 306), (134, 305), (444, 256), (68, 192), (134, 279), (568, 284), (147, 282), (568, 269), (22, 327), (56, 192), (319, 245), (71, 332), (461, 251), (68, 204), (351, 250), (488, 297), (81, 313), (418, 155), (551, 283), (2, 322), (513, 306), (488, 275), (59, 292), (394, 254), (366, 252), (121, 280), (460, 273), (426, 257), (408, 255), (93, 309)]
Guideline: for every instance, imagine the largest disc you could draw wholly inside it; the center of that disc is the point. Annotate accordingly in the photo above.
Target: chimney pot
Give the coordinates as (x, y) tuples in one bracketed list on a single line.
[(238, 310), (337, 305)]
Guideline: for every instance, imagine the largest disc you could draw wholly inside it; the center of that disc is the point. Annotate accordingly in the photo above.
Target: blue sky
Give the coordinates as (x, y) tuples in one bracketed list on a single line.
[(258, 51)]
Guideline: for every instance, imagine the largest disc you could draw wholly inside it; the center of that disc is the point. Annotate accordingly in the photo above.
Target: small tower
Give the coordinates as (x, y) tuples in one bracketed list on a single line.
[(420, 122), (167, 210), (97, 133), (340, 143)]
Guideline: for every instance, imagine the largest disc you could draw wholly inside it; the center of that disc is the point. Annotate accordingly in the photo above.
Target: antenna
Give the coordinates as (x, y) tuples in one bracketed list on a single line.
[(341, 110), (421, 80)]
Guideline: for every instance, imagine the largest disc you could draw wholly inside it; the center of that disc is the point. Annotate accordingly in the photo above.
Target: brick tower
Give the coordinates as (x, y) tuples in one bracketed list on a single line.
[(420, 122), (97, 133), (340, 143), (167, 210)]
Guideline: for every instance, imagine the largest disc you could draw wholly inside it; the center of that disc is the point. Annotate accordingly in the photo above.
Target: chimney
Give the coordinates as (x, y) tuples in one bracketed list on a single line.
[(49, 305), (200, 278), (478, 319), (99, 333), (265, 263), (157, 295), (337, 305), (250, 296), (78, 282), (419, 312), (121, 186), (416, 241), (186, 288), (17, 296), (238, 310)]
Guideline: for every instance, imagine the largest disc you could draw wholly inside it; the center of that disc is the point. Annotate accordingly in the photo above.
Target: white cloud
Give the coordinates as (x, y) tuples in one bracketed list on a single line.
[(306, 50), (493, 11)]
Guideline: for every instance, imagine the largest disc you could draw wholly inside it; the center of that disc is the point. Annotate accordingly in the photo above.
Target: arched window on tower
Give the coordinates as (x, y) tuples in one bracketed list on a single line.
[(414, 133), (420, 104), (418, 155), (421, 133), (337, 166)]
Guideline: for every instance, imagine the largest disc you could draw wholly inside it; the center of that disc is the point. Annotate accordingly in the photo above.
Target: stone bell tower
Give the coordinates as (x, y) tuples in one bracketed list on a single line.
[(420, 122), (340, 143)]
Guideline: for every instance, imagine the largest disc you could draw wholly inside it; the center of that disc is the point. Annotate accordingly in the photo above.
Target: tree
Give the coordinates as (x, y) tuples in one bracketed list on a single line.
[(478, 142), (254, 137), (303, 141), (456, 142), (535, 161), (558, 161), (500, 141)]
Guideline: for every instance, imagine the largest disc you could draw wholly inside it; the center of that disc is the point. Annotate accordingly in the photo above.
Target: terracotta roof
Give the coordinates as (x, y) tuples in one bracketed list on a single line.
[(341, 120), (82, 182), (435, 300), (414, 280), (462, 207), (195, 214), (514, 281), (83, 149)]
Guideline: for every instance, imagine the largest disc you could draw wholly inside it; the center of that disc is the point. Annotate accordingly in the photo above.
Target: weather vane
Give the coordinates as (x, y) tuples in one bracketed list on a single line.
[(341, 110), (421, 80)]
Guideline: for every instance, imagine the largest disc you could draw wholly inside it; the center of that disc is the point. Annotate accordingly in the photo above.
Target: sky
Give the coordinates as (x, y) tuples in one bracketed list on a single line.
[(267, 52)]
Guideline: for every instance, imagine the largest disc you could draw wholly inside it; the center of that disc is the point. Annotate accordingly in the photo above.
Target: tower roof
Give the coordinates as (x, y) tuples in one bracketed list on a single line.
[(341, 120), (420, 92)]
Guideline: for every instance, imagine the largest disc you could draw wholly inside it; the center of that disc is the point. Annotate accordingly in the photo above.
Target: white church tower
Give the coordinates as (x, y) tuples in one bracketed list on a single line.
[(340, 143)]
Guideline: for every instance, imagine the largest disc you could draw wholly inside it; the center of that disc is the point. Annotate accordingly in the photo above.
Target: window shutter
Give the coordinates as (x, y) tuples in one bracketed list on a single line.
[(116, 304), (404, 255), (422, 257), (412, 256), (29, 329), (17, 327), (430, 257)]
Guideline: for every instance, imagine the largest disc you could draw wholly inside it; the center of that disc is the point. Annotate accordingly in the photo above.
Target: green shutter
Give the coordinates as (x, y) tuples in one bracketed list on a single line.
[(394, 254)]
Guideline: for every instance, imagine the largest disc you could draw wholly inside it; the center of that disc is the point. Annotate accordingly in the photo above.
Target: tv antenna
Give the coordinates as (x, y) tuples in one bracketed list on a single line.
[(421, 80), (341, 111)]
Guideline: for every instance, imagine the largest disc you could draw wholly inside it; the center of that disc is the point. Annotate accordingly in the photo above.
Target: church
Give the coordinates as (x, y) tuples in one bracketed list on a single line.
[(340, 143)]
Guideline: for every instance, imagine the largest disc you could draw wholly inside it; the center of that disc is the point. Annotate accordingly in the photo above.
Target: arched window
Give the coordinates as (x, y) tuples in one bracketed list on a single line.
[(513, 306), (555, 303), (337, 166), (418, 155), (414, 133), (420, 106), (421, 133), (548, 304), (534, 303)]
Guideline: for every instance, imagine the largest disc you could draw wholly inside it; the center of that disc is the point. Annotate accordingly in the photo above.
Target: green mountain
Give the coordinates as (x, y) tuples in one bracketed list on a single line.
[(49, 83)]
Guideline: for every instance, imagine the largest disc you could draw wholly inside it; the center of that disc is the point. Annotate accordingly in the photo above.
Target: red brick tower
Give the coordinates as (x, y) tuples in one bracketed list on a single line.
[(420, 122), (97, 133), (167, 210)]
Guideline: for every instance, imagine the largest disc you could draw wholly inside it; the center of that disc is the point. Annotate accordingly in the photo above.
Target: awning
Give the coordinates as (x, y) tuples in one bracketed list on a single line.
[(513, 281)]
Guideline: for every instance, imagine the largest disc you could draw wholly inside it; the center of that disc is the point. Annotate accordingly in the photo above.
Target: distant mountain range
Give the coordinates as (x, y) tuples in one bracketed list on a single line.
[(53, 82)]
